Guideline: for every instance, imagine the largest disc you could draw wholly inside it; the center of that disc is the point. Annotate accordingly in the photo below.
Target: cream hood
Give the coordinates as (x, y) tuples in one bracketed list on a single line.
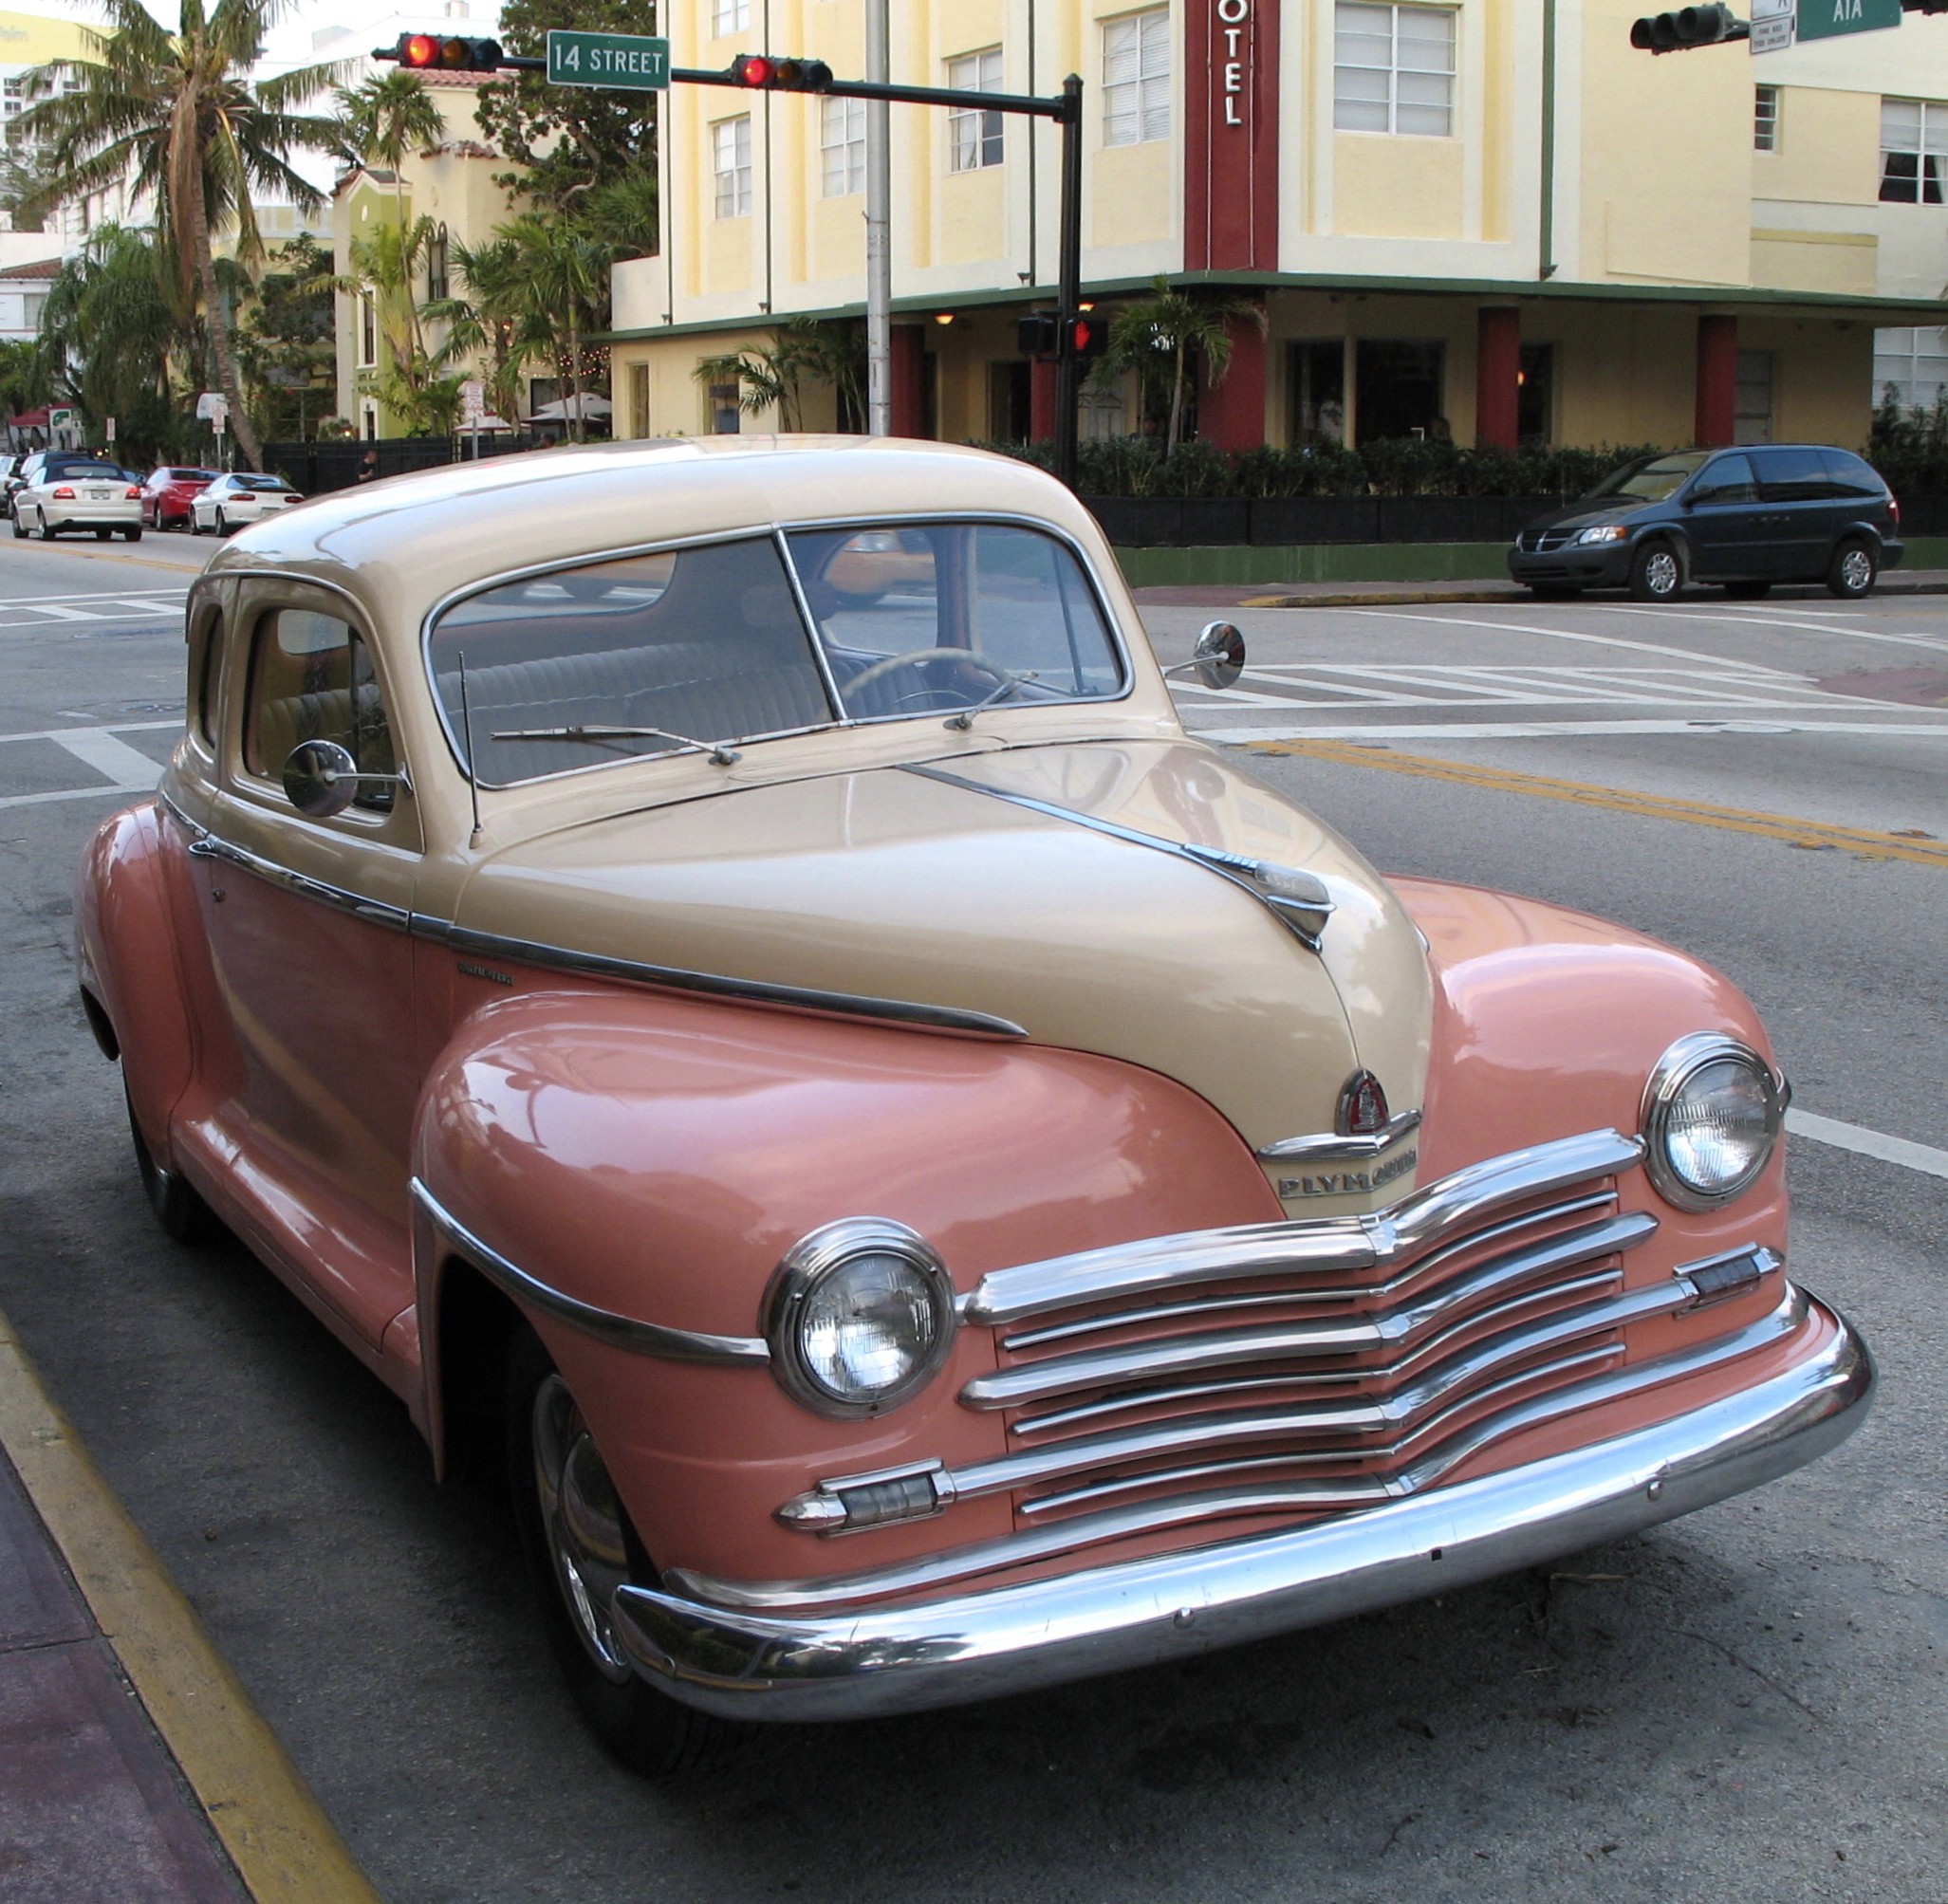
[(891, 884)]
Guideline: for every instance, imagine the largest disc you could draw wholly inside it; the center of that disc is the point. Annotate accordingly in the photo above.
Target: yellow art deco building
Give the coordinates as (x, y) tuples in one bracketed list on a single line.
[(1491, 219)]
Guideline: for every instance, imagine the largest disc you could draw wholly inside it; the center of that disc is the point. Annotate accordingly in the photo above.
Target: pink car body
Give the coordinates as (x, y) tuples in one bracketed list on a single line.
[(623, 1056)]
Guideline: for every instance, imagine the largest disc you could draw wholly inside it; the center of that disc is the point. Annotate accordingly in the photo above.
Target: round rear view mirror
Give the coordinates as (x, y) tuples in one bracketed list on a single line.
[(1219, 655), (320, 779)]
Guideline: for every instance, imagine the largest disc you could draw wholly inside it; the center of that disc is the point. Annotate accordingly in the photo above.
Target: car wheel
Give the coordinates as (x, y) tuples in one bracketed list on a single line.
[(195, 524), (222, 522), (131, 535), (1542, 594), (580, 1546), (20, 529), (181, 1212), (1747, 591), (1853, 571), (47, 532), (1656, 574), (102, 534)]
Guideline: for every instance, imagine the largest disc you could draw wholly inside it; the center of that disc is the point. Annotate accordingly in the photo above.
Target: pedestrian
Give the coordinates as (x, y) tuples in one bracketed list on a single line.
[(368, 466)]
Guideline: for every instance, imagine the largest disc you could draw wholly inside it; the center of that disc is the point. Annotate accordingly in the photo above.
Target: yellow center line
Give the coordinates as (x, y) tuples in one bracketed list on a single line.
[(1857, 839)]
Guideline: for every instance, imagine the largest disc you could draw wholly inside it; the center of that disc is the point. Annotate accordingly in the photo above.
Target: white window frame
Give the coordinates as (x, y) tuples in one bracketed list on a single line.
[(728, 16), (1765, 119), (730, 144), (1405, 97), (841, 147), (1914, 359), (974, 138), (1917, 128), (1138, 55)]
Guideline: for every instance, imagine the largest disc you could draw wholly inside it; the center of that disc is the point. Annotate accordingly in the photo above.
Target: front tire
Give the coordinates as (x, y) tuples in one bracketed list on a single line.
[(46, 531), (580, 1546), (131, 535), (102, 534), (20, 529), (222, 522), (1853, 571), (1655, 573)]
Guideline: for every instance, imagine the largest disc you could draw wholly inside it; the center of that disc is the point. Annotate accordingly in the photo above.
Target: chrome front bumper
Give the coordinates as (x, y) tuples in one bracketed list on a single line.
[(912, 1655)]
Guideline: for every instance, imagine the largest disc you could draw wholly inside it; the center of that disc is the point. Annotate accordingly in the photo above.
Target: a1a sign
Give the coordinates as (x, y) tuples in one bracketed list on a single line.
[(633, 61), (1825, 19)]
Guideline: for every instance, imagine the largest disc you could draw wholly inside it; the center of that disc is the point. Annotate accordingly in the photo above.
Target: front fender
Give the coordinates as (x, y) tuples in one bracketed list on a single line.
[(655, 1156)]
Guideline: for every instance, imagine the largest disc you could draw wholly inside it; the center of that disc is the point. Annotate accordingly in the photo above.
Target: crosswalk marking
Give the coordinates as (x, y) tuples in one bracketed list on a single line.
[(125, 770)]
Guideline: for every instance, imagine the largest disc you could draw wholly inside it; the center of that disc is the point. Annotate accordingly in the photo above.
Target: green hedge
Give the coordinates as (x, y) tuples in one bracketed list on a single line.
[(1910, 448)]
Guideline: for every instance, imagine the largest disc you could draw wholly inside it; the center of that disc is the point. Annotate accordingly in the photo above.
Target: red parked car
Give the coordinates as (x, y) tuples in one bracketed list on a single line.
[(167, 494)]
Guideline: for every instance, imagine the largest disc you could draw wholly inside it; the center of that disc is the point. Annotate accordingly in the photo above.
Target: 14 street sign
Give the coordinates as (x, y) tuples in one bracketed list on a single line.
[(630, 60)]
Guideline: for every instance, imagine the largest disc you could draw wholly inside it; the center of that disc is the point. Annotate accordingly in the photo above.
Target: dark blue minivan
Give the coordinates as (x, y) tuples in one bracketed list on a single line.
[(1746, 518)]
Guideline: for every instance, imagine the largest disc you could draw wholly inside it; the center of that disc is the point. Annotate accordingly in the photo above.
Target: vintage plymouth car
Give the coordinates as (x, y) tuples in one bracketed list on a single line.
[(934, 1182)]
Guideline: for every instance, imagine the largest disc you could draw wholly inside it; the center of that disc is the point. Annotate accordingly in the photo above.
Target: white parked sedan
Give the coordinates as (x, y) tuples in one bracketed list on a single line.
[(230, 502), (75, 494)]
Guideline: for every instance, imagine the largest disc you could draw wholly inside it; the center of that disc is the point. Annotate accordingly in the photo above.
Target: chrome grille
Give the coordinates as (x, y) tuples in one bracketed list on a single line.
[(1331, 1356), (1535, 542)]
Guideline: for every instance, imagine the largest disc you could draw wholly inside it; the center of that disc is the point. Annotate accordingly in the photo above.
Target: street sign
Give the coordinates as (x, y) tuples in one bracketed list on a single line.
[(472, 401), (209, 403), (110, 429), (633, 61), (60, 419), (1772, 25), (1824, 19)]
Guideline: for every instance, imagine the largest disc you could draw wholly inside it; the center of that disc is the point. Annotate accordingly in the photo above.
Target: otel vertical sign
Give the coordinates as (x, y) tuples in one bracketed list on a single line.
[(1231, 144)]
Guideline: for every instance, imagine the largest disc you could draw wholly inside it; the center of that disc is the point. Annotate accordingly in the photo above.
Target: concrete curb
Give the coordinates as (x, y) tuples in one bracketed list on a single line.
[(283, 1847), (1397, 598)]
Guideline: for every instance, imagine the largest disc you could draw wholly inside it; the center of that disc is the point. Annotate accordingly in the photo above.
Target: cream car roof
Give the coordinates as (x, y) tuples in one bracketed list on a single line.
[(402, 544)]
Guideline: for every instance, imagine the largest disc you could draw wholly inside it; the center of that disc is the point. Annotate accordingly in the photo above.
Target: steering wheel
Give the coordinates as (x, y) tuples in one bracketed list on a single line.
[(883, 668)]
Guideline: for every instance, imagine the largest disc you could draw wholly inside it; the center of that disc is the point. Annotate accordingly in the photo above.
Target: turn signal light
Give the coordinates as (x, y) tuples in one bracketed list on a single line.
[(64, 494)]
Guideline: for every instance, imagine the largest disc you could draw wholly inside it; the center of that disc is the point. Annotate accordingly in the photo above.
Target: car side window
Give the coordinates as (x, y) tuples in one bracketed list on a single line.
[(1793, 475), (311, 679), (205, 659), (1851, 475), (1728, 480)]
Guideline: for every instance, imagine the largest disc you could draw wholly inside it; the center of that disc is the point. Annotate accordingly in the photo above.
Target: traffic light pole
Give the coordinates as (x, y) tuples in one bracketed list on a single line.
[(1065, 109)]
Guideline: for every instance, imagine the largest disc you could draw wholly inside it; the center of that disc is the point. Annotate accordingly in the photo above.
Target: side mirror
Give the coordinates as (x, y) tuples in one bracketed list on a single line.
[(1218, 658), (320, 779)]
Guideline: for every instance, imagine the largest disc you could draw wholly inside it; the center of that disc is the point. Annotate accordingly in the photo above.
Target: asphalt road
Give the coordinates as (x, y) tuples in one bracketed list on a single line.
[(1744, 1705)]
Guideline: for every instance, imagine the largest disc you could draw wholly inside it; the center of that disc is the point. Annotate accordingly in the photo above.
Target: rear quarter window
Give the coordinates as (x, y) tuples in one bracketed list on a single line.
[(1851, 475)]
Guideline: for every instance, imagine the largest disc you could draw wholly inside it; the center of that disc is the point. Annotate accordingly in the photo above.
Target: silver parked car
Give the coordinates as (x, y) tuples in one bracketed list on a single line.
[(230, 502), (77, 492)]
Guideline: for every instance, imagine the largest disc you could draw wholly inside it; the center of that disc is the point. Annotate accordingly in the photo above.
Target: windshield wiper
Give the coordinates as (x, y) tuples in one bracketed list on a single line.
[(964, 719), (722, 756)]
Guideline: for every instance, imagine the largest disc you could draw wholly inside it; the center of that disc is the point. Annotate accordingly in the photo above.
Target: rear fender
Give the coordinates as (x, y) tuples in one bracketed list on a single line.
[(126, 956), (655, 1156)]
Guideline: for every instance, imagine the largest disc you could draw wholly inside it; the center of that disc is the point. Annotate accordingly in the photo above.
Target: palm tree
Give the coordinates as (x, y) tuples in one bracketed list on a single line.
[(176, 117), (563, 274), (490, 320), (385, 117), (1161, 337), (770, 375), (108, 331)]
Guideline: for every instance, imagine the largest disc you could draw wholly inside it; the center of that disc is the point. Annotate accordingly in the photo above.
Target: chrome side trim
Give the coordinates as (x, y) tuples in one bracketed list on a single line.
[(1345, 1335), (206, 846), (1328, 1148), (805, 998), (1740, 1424), (1302, 1245), (1302, 910), (621, 1332)]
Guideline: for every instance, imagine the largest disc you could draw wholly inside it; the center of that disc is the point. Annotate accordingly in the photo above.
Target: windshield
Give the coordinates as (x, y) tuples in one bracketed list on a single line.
[(1650, 479), (701, 647), (256, 483), (60, 473)]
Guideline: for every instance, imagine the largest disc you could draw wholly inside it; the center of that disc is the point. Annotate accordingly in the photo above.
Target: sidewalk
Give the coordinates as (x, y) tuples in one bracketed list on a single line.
[(1402, 594), (133, 1768)]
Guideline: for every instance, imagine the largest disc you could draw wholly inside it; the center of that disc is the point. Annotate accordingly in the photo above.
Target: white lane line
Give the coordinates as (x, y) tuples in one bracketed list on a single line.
[(100, 595), (1564, 729), (1923, 1158), (127, 767), (70, 793), (1798, 627), (1571, 634), (100, 726)]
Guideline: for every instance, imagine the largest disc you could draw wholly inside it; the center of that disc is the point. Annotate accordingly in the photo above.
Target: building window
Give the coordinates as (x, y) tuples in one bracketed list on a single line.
[(974, 138), (1752, 412), (1136, 78), (1910, 367), (368, 331), (1535, 397), (1396, 388), (725, 412), (842, 146), (731, 153), (1319, 391), (437, 253), (1914, 139), (30, 308), (639, 401), (729, 16), (1765, 119), (1393, 68)]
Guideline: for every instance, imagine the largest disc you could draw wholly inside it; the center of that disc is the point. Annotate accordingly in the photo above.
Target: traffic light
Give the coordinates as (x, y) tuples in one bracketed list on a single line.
[(1039, 334), (436, 52), (1710, 25), (1089, 336), (769, 74)]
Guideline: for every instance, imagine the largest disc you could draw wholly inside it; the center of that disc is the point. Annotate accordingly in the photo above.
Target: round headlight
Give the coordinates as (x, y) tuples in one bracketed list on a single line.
[(1712, 1112), (860, 1317)]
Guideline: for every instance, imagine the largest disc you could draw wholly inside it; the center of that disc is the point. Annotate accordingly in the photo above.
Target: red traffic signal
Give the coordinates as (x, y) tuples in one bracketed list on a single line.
[(1088, 337), (437, 52), (769, 74)]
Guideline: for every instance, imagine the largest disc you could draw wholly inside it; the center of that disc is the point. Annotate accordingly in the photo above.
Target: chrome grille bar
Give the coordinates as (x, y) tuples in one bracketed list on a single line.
[(1348, 1334), (1299, 1247)]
